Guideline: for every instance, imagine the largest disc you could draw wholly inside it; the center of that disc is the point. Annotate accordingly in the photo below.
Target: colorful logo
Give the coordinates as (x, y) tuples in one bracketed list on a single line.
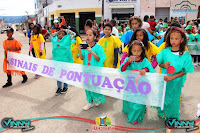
[(102, 124), (188, 125), (103, 121), (185, 7), (25, 125)]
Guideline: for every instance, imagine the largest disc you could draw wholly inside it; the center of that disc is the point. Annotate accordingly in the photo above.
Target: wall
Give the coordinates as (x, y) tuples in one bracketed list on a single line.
[(108, 11), (147, 7)]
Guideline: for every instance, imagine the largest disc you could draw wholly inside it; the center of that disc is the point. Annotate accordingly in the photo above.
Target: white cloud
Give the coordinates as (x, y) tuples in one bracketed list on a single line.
[(16, 7)]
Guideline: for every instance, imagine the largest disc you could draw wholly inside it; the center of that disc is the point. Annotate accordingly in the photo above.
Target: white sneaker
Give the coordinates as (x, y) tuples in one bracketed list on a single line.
[(97, 104), (195, 64), (88, 106)]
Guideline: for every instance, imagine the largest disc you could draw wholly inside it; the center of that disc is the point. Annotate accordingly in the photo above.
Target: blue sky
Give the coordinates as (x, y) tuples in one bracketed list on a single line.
[(16, 7)]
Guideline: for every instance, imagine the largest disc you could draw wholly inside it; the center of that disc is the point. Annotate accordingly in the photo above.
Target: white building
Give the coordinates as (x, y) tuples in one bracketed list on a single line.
[(121, 9), (76, 12), (42, 10)]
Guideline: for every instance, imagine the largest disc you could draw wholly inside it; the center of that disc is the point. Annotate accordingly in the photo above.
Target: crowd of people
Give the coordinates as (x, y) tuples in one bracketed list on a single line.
[(144, 45)]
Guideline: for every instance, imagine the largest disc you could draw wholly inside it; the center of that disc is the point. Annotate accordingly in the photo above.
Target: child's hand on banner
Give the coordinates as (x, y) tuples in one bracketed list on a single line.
[(7, 61), (142, 72), (9, 48), (168, 78), (29, 53)]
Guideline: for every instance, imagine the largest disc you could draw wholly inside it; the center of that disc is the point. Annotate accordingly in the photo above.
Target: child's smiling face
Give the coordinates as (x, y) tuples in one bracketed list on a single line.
[(107, 30)]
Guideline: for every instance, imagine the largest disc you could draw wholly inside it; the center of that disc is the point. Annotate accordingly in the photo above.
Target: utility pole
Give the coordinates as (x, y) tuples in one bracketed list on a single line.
[(103, 9), (46, 3)]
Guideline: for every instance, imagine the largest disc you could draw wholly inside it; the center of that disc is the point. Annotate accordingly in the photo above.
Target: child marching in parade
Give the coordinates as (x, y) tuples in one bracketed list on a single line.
[(62, 52), (151, 50), (111, 45), (176, 62), (11, 45), (92, 56), (37, 43), (134, 111)]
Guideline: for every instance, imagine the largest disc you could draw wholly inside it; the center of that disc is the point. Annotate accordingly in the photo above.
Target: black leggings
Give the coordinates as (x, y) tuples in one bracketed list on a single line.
[(33, 52), (195, 58)]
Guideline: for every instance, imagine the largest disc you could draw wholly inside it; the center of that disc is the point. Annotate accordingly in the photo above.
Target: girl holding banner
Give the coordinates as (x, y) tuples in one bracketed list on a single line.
[(12, 45), (136, 60), (62, 52), (37, 43), (93, 55), (176, 62), (151, 50)]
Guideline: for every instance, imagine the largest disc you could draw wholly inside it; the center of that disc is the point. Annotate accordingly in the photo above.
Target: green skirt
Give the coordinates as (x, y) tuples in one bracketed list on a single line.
[(134, 111), (91, 96)]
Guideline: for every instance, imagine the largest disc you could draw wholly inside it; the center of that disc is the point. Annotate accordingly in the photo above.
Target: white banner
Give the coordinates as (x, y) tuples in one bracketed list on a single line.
[(148, 89)]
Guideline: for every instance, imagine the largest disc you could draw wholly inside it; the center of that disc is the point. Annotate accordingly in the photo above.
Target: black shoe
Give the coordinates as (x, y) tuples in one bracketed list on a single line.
[(64, 90), (25, 78), (58, 91), (7, 84)]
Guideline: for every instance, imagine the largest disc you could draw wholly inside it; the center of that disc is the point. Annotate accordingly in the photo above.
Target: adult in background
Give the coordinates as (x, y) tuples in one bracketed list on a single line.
[(29, 33), (152, 23), (56, 26), (146, 25), (100, 29), (114, 29)]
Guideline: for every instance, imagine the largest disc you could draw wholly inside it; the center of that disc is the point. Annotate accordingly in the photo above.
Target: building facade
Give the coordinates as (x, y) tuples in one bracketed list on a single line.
[(42, 11), (76, 12), (183, 9), (121, 9)]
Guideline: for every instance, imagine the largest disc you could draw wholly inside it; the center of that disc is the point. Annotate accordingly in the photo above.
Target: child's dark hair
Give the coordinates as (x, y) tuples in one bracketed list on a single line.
[(63, 31), (145, 39), (152, 17), (174, 24), (113, 22), (74, 30), (94, 32), (136, 42), (146, 17), (101, 25), (89, 23), (108, 25), (182, 45), (38, 27), (29, 25), (135, 18)]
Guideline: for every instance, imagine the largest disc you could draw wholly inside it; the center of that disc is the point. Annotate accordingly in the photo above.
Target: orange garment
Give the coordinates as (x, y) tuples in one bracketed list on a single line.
[(55, 30), (15, 44)]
